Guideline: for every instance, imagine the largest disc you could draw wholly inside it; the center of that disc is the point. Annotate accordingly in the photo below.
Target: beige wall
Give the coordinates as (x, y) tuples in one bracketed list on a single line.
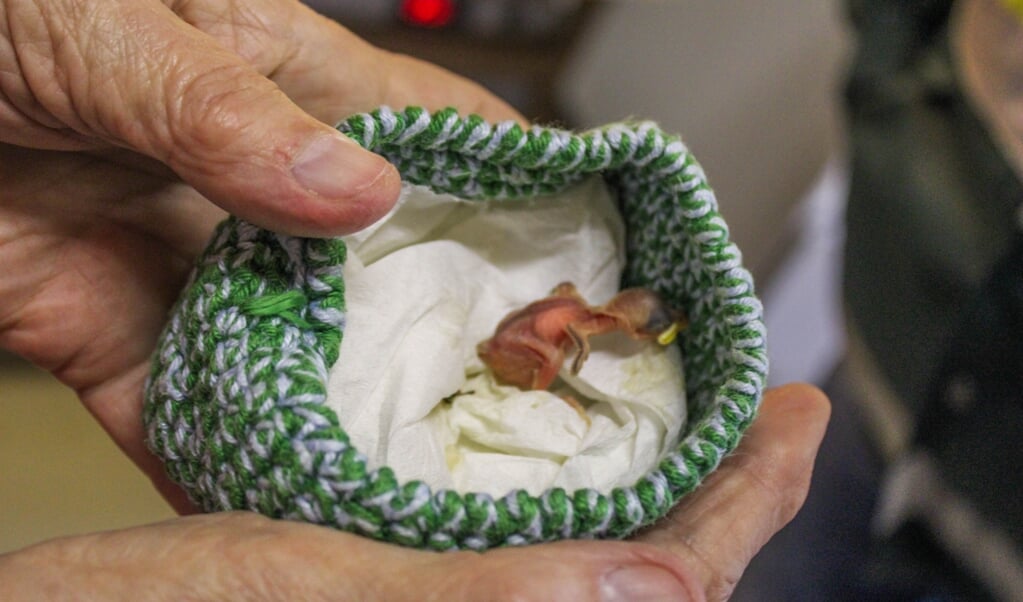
[(752, 87)]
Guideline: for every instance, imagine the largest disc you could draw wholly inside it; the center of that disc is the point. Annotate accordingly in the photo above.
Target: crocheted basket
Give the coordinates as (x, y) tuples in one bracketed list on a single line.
[(235, 401)]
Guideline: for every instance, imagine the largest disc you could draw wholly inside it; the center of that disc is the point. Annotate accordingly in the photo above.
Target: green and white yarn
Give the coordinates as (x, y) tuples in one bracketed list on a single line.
[(235, 401)]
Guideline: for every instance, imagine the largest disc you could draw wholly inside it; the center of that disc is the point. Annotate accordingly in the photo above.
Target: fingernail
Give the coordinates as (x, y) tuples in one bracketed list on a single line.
[(334, 167), (642, 584)]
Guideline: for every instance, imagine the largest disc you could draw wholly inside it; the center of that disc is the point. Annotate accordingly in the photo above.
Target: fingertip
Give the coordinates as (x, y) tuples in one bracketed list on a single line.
[(328, 187), (371, 203), (341, 197), (804, 400), (360, 185)]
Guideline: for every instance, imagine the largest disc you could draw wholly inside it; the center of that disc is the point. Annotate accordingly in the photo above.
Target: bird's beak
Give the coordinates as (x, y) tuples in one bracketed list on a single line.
[(669, 335)]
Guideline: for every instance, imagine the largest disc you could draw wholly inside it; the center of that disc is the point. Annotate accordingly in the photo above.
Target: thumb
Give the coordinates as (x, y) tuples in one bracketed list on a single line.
[(240, 556), (169, 91), (718, 528)]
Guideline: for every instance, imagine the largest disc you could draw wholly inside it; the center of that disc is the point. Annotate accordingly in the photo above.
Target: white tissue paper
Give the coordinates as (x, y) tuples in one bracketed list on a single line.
[(425, 285)]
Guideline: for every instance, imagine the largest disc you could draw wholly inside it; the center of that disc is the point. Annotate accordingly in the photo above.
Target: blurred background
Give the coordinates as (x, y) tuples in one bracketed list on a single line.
[(753, 87)]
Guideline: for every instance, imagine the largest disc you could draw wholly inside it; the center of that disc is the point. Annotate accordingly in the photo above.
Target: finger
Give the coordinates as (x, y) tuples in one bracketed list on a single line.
[(300, 50), (23, 121), (340, 566), (171, 92), (241, 556), (720, 527)]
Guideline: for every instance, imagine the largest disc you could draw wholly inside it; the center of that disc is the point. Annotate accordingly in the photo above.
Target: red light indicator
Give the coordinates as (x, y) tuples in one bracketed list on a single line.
[(428, 13)]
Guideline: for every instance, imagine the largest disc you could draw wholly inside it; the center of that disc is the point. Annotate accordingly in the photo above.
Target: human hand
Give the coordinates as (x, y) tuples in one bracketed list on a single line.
[(157, 107), (95, 245), (697, 553)]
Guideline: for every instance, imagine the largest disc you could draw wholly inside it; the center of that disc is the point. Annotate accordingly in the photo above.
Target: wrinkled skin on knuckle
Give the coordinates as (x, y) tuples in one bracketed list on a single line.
[(101, 57), (782, 483), (458, 576), (80, 65), (23, 120), (721, 586), (31, 570), (324, 68), (296, 48), (202, 112), (781, 489), (657, 556), (298, 561), (498, 586), (33, 84), (717, 581), (221, 555), (262, 34)]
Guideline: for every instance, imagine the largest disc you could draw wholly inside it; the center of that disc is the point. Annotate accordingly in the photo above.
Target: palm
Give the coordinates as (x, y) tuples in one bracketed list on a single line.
[(92, 255)]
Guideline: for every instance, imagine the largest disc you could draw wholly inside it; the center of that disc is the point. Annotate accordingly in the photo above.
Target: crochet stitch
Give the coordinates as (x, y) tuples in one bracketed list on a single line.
[(235, 400)]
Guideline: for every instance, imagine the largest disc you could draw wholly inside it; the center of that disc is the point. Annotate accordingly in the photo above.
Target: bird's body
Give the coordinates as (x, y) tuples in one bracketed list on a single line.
[(530, 344)]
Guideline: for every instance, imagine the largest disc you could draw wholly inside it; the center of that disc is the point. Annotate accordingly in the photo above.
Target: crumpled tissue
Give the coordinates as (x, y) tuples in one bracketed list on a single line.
[(431, 280)]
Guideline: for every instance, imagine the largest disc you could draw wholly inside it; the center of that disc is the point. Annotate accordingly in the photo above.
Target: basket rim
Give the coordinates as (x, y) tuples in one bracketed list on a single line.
[(330, 482)]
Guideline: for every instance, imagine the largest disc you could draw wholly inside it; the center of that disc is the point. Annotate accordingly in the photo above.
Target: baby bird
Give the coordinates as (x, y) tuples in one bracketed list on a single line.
[(530, 344)]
